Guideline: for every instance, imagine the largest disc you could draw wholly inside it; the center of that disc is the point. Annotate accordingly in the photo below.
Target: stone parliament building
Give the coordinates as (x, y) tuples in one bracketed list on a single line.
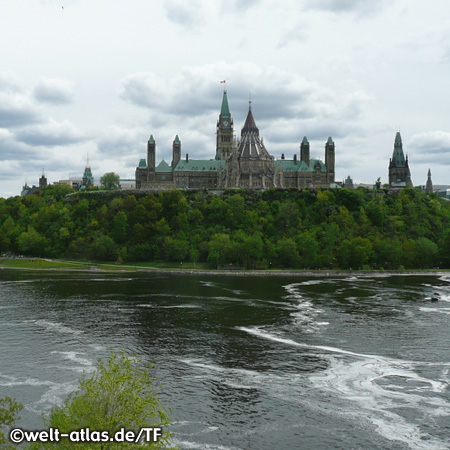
[(238, 163)]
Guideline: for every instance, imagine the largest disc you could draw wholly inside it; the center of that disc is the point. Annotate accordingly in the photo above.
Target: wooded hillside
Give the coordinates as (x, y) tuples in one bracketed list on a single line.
[(343, 228)]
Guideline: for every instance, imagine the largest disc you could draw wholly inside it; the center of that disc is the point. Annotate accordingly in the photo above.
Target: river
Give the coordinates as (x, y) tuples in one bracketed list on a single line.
[(356, 362)]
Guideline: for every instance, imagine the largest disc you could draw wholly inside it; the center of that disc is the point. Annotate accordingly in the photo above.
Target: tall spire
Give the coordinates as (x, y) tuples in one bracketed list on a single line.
[(429, 186), (225, 110), (398, 157)]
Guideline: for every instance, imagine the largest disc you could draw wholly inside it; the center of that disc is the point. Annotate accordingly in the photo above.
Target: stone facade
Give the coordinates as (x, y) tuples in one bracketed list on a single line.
[(243, 163)]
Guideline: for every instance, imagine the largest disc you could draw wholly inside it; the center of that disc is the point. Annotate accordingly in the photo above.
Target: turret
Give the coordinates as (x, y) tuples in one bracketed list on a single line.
[(330, 159), (429, 187), (151, 157), (304, 151), (42, 180), (176, 151)]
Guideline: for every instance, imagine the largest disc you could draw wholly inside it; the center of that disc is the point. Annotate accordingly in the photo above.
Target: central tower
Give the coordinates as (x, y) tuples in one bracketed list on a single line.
[(224, 144)]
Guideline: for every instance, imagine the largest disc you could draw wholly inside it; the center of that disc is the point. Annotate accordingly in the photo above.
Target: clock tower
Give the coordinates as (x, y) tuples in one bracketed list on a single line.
[(225, 141)]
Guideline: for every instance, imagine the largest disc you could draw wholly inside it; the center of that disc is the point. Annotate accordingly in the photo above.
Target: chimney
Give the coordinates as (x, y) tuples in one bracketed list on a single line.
[(295, 158), (282, 156), (187, 157)]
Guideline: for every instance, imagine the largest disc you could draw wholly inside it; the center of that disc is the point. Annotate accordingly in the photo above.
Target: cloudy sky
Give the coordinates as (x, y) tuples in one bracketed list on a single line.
[(97, 77)]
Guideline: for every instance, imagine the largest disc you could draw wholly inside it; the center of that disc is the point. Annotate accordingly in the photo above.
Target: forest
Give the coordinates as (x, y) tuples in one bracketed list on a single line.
[(383, 229)]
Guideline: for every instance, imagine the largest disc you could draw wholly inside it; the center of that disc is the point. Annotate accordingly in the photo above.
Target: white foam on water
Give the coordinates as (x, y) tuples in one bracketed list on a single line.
[(73, 356), (306, 313), (55, 326), (179, 306), (10, 381), (275, 338), (110, 279), (379, 386), (208, 284), (435, 310), (380, 389), (53, 397), (199, 446), (199, 427)]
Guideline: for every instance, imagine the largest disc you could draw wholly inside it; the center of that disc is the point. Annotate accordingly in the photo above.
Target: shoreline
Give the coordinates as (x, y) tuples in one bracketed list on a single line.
[(236, 273)]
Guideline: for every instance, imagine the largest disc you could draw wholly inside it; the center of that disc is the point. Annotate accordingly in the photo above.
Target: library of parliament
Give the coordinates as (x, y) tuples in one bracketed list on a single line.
[(238, 163)]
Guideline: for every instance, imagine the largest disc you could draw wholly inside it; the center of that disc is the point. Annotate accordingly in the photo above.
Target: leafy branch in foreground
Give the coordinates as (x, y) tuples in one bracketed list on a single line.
[(119, 395), (8, 415)]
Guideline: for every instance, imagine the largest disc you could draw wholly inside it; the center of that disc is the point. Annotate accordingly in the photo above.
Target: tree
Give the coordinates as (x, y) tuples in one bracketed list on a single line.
[(104, 249), (110, 181), (8, 415), (119, 395), (32, 243)]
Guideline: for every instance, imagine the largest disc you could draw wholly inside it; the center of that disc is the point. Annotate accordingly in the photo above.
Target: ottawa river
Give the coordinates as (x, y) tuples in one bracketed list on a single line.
[(356, 362)]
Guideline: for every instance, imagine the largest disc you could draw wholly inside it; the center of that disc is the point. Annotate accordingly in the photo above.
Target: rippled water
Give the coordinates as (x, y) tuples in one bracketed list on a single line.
[(245, 362)]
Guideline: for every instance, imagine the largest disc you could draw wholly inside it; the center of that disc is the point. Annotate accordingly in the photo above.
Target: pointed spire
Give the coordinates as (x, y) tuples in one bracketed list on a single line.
[(429, 186), (151, 140), (305, 140), (225, 110), (250, 125), (398, 157), (177, 140)]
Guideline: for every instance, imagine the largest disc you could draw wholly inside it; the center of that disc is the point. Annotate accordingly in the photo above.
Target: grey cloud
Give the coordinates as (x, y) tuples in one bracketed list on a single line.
[(293, 35), (243, 4), (361, 7), (53, 91), (117, 141), (186, 14), (51, 134), (432, 142), (12, 150), (16, 110)]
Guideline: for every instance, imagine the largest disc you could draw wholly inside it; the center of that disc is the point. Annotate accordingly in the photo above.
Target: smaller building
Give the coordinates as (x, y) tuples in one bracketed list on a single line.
[(27, 190), (348, 183)]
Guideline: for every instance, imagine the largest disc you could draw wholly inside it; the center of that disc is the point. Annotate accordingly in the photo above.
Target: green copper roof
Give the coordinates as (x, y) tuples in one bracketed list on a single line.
[(305, 141), (142, 164), (200, 165), (289, 165), (151, 140), (312, 163), (330, 141), (177, 140), (398, 157), (225, 110), (163, 167)]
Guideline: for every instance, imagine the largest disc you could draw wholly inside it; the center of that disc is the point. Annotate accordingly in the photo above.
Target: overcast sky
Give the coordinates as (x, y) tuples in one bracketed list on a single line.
[(97, 77)]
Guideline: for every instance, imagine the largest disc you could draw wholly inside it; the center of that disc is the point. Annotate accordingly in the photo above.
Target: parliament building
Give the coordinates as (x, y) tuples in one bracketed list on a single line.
[(238, 163)]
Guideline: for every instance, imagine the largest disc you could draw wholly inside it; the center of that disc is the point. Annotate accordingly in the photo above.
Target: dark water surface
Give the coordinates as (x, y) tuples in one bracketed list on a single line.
[(245, 362)]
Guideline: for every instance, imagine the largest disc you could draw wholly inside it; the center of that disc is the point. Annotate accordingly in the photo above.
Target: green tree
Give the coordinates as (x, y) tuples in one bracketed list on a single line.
[(110, 181), (219, 250), (355, 253), (119, 229), (104, 249), (32, 243), (8, 415), (285, 253), (118, 395)]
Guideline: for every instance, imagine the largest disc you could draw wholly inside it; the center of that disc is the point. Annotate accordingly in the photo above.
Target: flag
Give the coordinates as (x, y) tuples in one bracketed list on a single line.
[(223, 81)]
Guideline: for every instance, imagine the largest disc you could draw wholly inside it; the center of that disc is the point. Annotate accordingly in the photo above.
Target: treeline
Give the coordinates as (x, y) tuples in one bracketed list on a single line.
[(349, 229)]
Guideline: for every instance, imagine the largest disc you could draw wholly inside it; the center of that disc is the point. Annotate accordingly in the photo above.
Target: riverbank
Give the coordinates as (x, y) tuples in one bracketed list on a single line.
[(37, 264)]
